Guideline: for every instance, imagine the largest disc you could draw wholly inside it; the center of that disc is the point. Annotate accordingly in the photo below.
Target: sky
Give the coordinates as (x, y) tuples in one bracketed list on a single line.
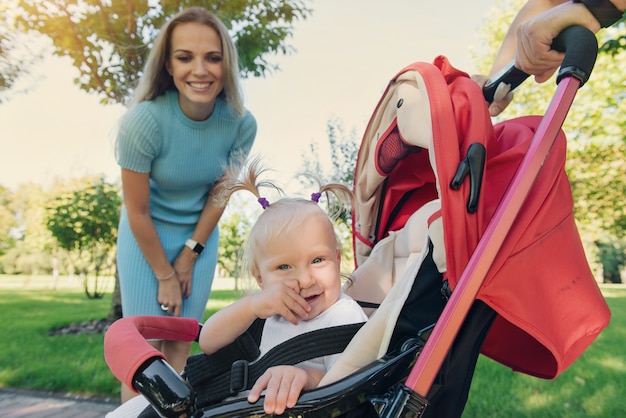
[(345, 53)]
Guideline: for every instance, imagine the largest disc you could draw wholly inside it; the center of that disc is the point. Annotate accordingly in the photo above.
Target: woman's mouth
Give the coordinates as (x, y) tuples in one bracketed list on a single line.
[(199, 86)]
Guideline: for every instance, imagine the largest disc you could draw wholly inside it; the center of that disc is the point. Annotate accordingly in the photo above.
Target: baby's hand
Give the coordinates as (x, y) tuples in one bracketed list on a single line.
[(282, 385), (281, 298)]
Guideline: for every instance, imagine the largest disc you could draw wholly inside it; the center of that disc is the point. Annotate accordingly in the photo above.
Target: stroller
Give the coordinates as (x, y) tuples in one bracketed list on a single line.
[(465, 243)]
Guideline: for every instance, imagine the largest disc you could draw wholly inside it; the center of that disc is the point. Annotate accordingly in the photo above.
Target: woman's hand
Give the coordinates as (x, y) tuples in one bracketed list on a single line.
[(169, 295), (184, 270), (534, 53), (502, 97)]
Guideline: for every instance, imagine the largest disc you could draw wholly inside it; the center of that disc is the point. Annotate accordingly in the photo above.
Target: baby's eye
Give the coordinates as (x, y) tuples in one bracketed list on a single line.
[(317, 260), (283, 267)]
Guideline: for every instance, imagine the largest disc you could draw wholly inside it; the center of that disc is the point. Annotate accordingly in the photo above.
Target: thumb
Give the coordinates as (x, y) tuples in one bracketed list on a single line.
[(503, 91)]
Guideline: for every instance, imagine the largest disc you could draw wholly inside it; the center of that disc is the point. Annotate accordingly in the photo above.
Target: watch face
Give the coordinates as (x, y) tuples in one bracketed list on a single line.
[(194, 246)]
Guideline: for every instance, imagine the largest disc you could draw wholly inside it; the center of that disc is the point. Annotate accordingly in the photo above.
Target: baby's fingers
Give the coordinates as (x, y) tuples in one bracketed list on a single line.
[(297, 308), (258, 388)]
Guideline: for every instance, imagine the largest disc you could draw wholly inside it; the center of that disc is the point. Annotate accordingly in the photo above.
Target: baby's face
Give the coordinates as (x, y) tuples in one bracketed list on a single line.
[(308, 254)]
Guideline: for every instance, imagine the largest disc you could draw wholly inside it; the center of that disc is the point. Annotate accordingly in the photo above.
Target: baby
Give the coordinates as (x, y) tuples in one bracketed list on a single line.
[(294, 255)]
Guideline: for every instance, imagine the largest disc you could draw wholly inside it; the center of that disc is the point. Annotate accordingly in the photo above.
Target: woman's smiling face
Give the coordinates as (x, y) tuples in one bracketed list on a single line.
[(196, 66)]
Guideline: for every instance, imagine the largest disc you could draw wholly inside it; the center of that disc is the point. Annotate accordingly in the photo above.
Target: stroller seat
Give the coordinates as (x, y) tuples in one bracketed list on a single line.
[(416, 224)]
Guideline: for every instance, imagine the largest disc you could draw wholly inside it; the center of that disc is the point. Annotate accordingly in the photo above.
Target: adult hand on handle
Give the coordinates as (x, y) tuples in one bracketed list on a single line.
[(502, 97)]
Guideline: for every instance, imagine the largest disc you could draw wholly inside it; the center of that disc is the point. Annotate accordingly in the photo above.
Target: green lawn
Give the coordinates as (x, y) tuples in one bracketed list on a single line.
[(30, 358), (592, 387)]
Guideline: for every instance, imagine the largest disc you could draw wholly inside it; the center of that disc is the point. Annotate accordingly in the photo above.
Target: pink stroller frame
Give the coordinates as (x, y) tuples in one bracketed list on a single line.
[(502, 271)]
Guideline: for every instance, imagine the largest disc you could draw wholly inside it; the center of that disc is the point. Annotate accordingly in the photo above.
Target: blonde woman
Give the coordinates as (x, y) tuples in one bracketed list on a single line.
[(186, 123)]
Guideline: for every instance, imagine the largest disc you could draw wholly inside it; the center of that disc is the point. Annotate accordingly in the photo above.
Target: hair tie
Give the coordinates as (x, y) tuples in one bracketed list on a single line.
[(263, 201), (316, 197)]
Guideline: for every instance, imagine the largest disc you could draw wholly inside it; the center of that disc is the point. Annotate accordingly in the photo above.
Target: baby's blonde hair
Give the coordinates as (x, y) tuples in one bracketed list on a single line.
[(284, 215)]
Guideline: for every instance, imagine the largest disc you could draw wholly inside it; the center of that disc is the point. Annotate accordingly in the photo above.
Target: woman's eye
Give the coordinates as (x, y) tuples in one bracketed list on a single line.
[(183, 58), (214, 59)]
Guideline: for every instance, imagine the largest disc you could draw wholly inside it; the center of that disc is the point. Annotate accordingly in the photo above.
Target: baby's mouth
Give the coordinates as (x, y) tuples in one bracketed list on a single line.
[(312, 298)]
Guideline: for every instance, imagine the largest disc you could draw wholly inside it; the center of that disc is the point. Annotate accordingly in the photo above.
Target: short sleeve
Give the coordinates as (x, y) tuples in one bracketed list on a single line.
[(139, 140), (244, 141)]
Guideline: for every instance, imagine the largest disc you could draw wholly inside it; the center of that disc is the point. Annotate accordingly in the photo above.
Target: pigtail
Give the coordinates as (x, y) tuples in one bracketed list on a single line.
[(249, 179), (338, 196), (342, 201)]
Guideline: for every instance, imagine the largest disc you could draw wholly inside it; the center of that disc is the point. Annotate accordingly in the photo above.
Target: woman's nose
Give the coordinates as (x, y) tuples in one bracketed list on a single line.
[(200, 67)]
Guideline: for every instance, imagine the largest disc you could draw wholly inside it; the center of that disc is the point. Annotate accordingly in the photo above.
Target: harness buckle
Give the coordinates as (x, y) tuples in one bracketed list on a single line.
[(238, 376)]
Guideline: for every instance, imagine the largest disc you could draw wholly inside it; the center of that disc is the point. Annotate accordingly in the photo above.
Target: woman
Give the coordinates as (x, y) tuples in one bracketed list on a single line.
[(186, 124)]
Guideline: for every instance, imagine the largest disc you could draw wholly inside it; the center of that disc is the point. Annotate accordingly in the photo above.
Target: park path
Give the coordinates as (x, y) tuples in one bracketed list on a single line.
[(17, 403), (24, 403)]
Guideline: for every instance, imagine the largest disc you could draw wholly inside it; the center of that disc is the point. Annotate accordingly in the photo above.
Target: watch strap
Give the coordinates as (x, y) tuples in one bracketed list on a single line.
[(194, 246), (604, 11)]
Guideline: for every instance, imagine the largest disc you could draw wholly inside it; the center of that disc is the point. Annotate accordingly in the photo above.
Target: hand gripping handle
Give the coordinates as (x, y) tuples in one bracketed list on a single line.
[(580, 47)]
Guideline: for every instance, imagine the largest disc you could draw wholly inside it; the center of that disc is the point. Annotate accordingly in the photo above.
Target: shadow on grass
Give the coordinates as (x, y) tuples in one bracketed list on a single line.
[(590, 387)]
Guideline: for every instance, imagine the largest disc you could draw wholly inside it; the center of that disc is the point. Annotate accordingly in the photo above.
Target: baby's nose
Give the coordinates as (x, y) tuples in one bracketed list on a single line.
[(305, 279)]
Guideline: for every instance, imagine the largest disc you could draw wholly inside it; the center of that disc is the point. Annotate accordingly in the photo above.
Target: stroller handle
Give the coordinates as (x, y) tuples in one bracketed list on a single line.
[(580, 47)]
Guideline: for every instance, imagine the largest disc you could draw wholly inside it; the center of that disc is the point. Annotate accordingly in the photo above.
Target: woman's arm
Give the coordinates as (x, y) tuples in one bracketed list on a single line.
[(529, 40), (136, 191), (508, 48), (184, 263), (538, 22), (534, 53)]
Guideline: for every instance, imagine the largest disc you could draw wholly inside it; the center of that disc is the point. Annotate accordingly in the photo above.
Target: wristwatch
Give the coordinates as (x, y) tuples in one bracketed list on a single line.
[(604, 11), (195, 246)]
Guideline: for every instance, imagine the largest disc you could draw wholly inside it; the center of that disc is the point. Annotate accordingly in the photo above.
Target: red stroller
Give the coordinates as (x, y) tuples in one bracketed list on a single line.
[(465, 243)]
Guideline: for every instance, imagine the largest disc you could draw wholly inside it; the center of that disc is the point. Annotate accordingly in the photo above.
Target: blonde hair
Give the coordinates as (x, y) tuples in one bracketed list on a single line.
[(284, 215), (155, 80)]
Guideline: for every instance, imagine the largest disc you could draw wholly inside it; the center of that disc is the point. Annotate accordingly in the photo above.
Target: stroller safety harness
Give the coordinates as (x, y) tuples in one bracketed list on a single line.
[(465, 239)]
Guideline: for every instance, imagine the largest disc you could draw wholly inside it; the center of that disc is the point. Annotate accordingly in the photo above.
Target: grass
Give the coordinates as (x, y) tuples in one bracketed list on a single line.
[(591, 387), (31, 359)]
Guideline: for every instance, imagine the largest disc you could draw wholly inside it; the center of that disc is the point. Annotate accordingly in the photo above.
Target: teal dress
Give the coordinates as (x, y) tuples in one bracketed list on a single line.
[(184, 158)]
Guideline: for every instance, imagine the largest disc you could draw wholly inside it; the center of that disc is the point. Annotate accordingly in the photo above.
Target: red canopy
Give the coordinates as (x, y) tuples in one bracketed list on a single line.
[(548, 303)]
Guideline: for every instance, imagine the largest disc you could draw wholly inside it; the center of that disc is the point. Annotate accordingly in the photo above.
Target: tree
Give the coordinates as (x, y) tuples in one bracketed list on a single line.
[(108, 41), (8, 223), (84, 222), (9, 71), (234, 229), (595, 128), (614, 45), (28, 243), (342, 157), (16, 56)]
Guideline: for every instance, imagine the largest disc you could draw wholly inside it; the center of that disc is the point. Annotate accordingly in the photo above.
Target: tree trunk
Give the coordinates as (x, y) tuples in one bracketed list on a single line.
[(115, 311)]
